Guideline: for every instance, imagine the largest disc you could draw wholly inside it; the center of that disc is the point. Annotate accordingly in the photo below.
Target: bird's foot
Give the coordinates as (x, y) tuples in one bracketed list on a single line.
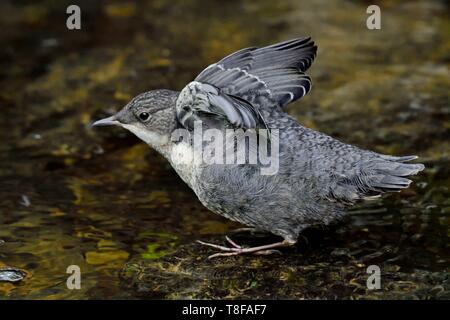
[(236, 249)]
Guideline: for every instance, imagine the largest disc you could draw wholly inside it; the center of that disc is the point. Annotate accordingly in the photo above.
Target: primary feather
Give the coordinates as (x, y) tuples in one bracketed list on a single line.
[(275, 72)]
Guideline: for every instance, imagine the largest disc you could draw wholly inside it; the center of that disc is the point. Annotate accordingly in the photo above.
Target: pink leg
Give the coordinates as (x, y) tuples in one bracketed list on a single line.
[(238, 250)]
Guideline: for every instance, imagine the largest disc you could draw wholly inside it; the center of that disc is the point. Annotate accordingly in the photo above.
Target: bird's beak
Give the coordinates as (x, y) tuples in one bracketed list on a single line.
[(110, 121)]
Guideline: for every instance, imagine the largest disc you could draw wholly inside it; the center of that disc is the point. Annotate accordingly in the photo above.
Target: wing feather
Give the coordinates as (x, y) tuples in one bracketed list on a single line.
[(257, 71), (234, 90)]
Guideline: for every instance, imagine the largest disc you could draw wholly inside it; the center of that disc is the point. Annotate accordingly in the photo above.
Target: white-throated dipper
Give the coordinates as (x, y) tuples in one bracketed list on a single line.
[(317, 176)]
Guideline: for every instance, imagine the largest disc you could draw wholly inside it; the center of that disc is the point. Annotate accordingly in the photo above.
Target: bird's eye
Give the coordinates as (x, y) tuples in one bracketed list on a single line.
[(144, 116)]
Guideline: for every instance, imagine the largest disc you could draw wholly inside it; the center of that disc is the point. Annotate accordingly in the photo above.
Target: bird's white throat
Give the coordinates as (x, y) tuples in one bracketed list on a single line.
[(179, 155), (153, 139)]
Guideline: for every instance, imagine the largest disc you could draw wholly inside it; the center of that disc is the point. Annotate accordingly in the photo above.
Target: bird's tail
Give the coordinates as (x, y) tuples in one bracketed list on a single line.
[(380, 174), (390, 175)]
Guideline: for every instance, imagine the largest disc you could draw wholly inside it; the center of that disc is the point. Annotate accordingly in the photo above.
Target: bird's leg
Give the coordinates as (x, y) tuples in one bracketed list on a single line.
[(234, 244), (238, 250)]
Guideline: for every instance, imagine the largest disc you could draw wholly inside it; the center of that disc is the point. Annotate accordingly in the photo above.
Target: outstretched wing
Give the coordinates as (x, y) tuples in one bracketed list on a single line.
[(203, 102), (239, 85)]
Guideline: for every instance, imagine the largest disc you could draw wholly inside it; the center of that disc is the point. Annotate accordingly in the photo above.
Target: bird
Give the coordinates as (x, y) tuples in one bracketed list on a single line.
[(318, 177)]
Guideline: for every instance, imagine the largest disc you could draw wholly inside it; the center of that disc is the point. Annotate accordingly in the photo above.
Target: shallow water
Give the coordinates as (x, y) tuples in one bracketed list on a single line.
[(102, 200)]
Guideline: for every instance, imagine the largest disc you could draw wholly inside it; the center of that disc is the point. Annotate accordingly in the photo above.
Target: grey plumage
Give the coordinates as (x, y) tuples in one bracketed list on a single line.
[(318, 176)]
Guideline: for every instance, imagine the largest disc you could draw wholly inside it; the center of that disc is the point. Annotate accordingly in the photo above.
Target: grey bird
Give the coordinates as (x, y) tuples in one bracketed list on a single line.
[(318, 176)]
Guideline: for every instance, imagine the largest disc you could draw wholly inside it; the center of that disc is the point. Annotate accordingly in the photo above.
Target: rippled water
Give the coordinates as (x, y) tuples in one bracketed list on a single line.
[(102, 200)]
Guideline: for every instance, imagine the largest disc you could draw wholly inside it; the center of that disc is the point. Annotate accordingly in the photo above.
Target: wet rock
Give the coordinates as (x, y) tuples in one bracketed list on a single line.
[(11, 274)]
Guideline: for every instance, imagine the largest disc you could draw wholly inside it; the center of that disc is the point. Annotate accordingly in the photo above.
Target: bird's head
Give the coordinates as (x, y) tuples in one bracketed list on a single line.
[(150, 116)]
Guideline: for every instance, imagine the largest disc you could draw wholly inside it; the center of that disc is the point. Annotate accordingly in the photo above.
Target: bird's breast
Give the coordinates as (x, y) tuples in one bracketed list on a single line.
[(182, 160)]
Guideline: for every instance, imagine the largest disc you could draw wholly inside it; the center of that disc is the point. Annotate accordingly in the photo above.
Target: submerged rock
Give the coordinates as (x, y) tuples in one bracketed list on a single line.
[(11, 274)]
